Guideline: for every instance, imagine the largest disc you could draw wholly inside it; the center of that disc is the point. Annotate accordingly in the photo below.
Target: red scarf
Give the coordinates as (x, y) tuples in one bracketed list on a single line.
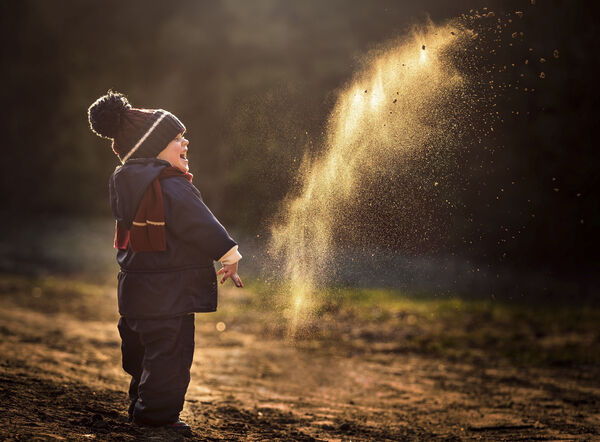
[(147, 233)]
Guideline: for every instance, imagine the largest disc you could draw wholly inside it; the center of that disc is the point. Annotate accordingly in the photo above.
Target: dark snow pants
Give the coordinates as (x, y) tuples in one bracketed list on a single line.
[(158, 354)]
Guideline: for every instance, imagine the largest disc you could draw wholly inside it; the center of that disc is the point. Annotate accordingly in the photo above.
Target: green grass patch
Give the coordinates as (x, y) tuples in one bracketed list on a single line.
[(364, 321), (386, 320)]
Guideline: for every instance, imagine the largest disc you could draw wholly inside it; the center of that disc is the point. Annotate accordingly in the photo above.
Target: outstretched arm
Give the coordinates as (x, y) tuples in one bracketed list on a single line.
[(192, 221)]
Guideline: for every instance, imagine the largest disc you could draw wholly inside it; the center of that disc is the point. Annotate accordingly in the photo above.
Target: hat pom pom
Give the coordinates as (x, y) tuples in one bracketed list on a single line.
[(105, 114)]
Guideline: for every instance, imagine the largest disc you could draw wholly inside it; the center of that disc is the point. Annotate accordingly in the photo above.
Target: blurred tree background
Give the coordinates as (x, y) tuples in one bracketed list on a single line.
[(254, 82)]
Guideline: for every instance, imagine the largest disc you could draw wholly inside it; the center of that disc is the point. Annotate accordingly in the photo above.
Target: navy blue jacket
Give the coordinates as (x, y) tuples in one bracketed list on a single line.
[(181, 279)]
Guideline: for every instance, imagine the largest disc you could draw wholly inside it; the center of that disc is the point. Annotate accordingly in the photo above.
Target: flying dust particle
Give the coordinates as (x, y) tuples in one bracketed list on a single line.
[(358, 153), (339, 192)]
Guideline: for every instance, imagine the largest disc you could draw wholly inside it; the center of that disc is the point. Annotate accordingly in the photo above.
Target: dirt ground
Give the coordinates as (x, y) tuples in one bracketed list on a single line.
[(398, 372)]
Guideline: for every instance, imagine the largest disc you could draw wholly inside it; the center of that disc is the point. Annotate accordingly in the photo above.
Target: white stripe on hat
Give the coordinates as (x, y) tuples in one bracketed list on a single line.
[(148, 132)]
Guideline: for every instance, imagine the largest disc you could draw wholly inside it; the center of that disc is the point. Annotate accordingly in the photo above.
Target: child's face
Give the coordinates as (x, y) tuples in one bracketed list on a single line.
[(176, 153)]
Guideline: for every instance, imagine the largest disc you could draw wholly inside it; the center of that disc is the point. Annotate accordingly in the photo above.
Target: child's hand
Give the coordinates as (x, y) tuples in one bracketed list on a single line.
[(230, 271)]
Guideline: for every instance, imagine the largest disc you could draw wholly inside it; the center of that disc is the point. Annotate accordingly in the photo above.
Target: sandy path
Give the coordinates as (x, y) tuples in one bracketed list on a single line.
[(61, 377)]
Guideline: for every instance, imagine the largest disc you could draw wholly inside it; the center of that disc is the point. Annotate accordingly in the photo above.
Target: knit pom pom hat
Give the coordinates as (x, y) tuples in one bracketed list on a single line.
[(135, 133)]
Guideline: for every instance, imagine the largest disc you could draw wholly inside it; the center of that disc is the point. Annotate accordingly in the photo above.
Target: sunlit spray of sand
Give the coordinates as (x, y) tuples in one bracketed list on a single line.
[(384, 114)]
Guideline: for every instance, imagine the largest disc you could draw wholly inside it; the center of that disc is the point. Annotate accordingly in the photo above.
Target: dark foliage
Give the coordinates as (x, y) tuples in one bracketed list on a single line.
[(254, 83)]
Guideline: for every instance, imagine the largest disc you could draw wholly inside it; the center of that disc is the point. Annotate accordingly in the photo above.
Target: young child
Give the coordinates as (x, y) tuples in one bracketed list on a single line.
[(167, 240)]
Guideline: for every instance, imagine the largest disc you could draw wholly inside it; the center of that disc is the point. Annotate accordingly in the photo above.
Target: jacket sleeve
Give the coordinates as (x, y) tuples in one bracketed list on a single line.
[(191, 220), (231, 257)]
